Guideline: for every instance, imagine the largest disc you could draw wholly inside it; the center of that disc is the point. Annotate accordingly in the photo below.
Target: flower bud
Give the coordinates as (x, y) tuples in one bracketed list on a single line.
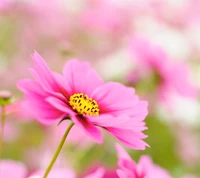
[(5, 97)]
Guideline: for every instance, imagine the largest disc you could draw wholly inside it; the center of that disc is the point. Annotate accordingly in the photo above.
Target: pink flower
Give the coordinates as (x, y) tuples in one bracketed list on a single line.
[(173, 77), (89, 102), (144, 169), (10, 169)]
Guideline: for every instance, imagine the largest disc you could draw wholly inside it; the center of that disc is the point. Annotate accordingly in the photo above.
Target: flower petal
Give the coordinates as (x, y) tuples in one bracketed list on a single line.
[(122, 154), (125, 162), (89, 128), (129, 138), (99, 173), (36, 103), (122, 174), (123, 122), (46, 78), (115, 98), (80, 77), (60, 105)]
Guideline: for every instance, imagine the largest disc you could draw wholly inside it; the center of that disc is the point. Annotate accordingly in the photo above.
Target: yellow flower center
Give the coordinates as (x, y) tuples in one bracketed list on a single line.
[(82, 104)]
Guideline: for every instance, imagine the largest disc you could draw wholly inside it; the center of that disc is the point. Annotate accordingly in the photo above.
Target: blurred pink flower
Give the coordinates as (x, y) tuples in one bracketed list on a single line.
[(187, 145), (14, 113), (172, 77), (12, 169), (56, 173), (10, 132), (107, 17), (45, 152), (35, 16), (89, 102), (144, 169), (17, 111), (64, 173), (178, 14)]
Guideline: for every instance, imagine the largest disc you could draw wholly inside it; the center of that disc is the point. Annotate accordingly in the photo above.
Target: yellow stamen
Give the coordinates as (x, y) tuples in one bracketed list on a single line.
[(82, 104)]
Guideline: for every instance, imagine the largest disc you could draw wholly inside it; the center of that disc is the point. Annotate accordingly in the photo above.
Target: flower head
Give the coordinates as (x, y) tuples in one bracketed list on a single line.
[(81, 95), (144, 169)]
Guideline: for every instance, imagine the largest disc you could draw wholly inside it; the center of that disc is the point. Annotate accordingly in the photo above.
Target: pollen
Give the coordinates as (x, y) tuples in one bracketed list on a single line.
[(82, 104)]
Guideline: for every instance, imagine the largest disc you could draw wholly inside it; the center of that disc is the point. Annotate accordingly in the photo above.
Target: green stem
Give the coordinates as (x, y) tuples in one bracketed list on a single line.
[(3, 116), (58, 150)]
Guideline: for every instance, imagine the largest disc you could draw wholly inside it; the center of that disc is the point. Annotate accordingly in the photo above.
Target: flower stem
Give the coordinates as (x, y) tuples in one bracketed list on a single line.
[(58, 150), (3, 116)]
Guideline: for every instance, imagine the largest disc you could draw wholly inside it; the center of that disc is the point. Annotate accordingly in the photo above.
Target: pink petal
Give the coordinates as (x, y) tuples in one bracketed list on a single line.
[(89, 128), (125, 162), (148, 168), (115, 98), (45, 76), (123, 122), (122, 174), (46, 117), (122, 154), (129, 138), (145, 164), (60, 105), (80, 77), (99, 173), (140, 110), (36, 103)]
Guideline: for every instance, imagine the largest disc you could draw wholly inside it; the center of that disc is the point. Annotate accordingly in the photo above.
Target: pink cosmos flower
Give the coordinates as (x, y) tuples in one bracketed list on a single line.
[(173, 77), (144, 169), (12, 169), (89, 102)]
